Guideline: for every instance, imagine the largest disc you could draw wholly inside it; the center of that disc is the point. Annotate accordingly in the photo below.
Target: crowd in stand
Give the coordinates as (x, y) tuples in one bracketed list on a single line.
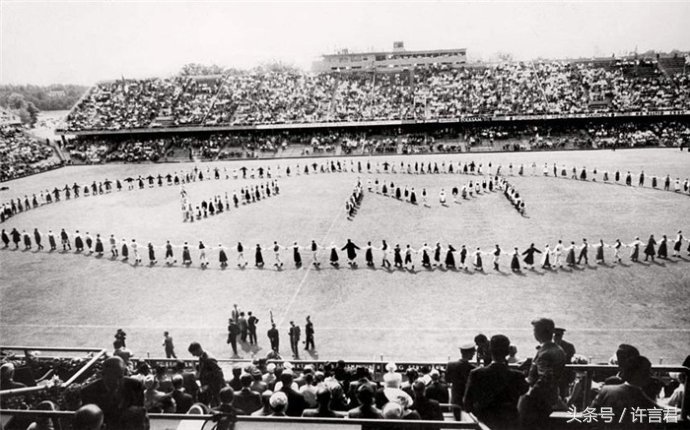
[(21, 154), (433, 92), (498, 388)]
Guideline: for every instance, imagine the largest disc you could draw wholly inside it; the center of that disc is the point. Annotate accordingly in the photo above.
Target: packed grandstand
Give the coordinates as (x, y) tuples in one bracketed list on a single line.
[(615, 102)]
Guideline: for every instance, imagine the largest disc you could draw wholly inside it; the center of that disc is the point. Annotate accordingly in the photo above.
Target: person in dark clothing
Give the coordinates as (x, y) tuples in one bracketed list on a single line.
[(493, 391), (351, 249), (309, 333), (427, 409), (366, 410), (296, 403), (183, 401), (457, 373), (227, 412), (274, 338), (233, 331), (114, 393), (210, 374)]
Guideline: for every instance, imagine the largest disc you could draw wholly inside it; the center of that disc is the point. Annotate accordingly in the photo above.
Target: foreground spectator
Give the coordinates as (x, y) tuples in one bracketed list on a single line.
[(88, 417), (323, 398), (630, 394), (183, 401), (457, 373), (7, 381), (428, 409), (366, 408), (227, 411), (246, 399), (545, 373), (493, 392), (114, 392), (210, 374)]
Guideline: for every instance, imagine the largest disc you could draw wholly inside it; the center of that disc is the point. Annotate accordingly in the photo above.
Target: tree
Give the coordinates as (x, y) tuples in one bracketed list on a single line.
[(196, 69), (15, 101)]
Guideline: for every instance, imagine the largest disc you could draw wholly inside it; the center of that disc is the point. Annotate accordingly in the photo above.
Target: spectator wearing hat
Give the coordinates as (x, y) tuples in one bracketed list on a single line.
[(457, 373), (428, 409), (544, 376), (246, 399), (437, 389), (493, 391), (113, 392), (152, 396), (279, 404), (569, 349), (258, 385), (266, 405)]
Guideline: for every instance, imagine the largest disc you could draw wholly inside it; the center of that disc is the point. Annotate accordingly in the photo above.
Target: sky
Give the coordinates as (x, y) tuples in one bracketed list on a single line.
[(83, 42)]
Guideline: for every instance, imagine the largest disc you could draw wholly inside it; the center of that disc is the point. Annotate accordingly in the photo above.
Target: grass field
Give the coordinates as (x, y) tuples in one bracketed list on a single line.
[(69, 299)]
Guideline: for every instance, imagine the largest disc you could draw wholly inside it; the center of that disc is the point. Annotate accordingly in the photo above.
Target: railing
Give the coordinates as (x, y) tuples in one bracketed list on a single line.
[(377, 368), (204, 422), (97, 354)]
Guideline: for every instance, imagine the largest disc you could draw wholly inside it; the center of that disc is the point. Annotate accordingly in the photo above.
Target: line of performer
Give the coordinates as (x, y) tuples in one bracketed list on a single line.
[(403, 257)]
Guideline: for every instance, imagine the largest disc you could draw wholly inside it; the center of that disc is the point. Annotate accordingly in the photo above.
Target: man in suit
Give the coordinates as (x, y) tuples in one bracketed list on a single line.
[(296, 403), (114, 393), (233, 331), (295, 334), (188, 379), (457, 373), (183, 401), (437, 390), (274, 338), (625, 397), (246, 399), (210, 374), (545, 373), (492, 392), (366, 410), (428, 409)]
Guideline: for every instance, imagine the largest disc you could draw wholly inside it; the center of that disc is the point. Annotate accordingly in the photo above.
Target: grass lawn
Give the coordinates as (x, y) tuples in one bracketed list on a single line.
[(73, 300)]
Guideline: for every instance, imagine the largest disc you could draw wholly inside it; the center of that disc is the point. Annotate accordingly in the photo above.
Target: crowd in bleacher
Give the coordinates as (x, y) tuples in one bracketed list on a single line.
[(489, 381), (21, 154), (434, 92)]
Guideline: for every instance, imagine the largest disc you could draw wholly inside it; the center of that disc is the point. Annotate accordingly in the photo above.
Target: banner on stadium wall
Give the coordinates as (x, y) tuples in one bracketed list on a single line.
[(462, 119)]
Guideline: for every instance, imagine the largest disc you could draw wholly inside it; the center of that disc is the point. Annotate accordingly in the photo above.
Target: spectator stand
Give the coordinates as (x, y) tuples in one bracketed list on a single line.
[(47, 376), (244, 422)]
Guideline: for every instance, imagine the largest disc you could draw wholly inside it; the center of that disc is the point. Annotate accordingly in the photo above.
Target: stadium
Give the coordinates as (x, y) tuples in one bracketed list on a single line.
[(368, 222)]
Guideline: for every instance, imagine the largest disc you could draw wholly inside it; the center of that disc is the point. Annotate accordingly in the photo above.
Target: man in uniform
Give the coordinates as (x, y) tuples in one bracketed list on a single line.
[(569, 350), (457, 373)]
